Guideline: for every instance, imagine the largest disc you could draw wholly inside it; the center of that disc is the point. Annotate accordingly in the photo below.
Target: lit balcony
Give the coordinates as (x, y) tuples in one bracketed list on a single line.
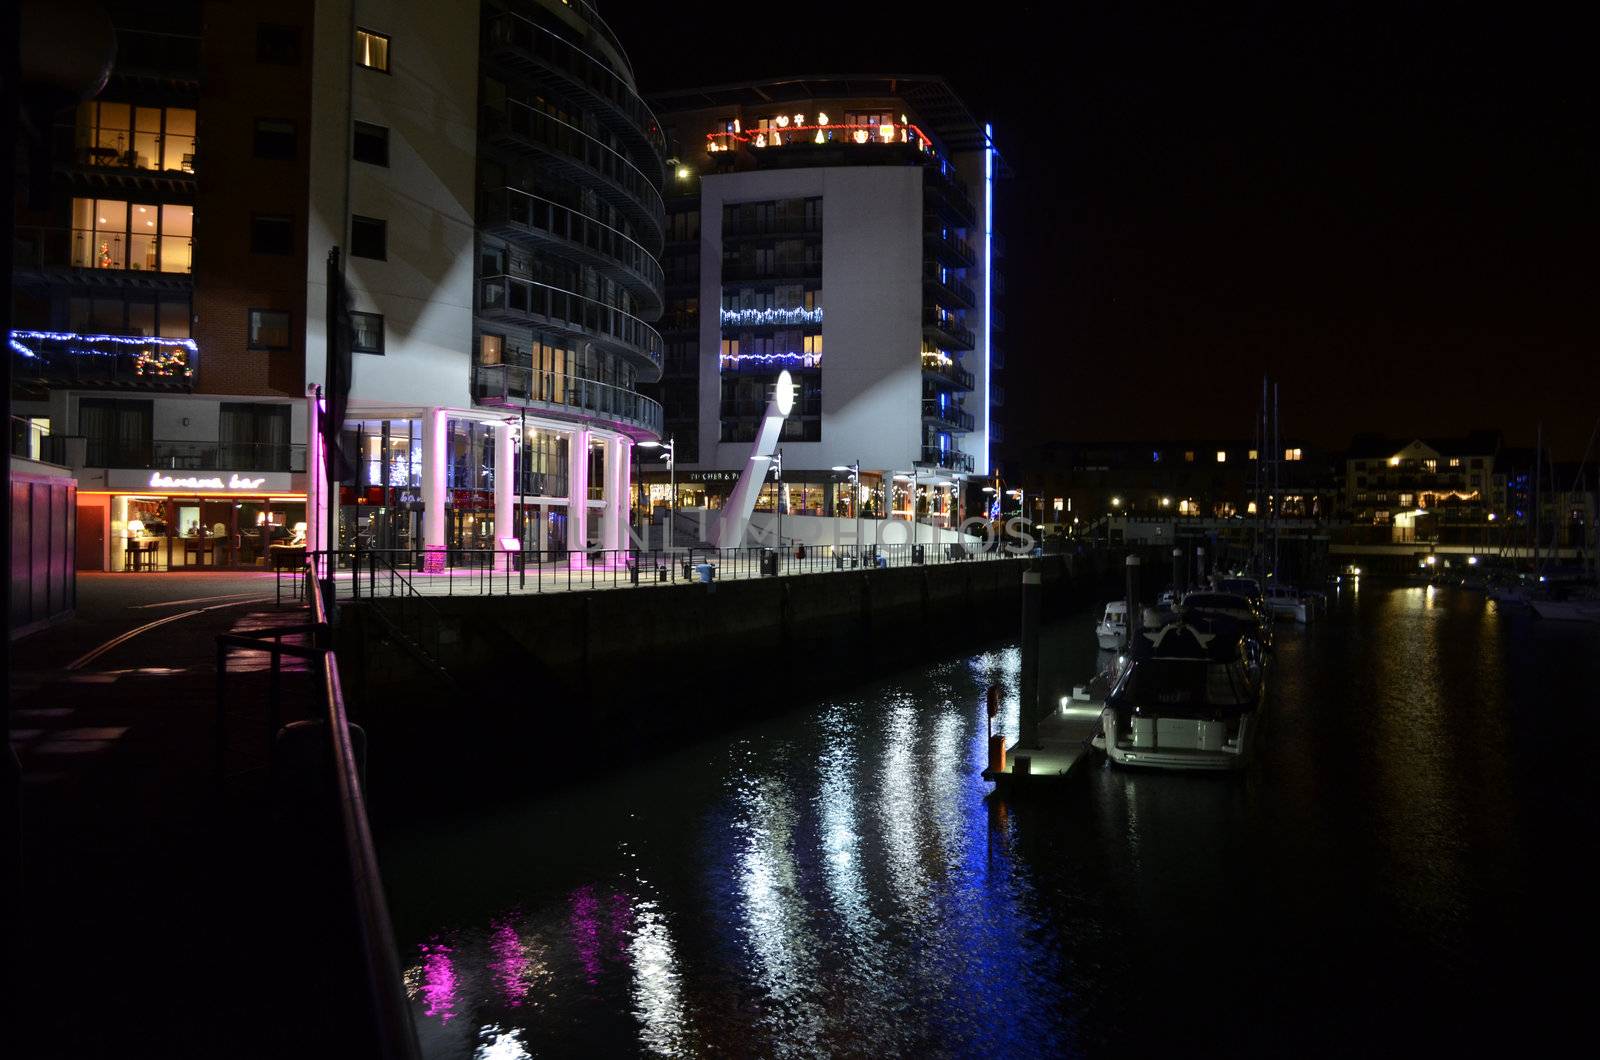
[(527, 303), (945, 329), (946, 370), (949, 459), (567, 398), (143, 362)]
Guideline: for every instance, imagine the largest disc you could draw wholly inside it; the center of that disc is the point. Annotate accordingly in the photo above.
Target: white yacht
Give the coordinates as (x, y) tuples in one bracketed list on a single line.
[(1112, 630), (1188, 699), (1282, 600)]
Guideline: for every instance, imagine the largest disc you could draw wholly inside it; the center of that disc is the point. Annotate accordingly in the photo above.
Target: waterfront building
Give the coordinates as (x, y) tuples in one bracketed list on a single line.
[(1391, 482), (839, 228), (495, 180), (157, 281), (1075, 483)]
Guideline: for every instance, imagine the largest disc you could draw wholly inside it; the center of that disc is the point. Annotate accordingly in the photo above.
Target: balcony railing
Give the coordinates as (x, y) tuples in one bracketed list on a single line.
[(171, 155), (735, 227), (949, 415), (610, 173), (949, 370), (566, 397), (951, 459), (33, 441), (957, 292), (124, 257), (619, 331), (743, 271), (958, 336), (189, 455), (607, 248), (519, 39), (142, 361), (950, 191), (945, 244)]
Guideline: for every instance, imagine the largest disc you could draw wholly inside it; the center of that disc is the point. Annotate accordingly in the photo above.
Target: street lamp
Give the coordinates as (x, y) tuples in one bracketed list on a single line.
[(854, 467), (776, 462), (670, 445), (911, 477)]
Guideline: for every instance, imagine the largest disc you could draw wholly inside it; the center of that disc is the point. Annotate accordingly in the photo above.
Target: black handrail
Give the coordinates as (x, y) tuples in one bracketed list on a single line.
[(393, 1028)]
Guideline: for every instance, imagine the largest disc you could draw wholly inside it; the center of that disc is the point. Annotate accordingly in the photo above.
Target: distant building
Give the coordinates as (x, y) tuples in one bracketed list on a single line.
[(1080, 482), (840, 229), (1391, 482)]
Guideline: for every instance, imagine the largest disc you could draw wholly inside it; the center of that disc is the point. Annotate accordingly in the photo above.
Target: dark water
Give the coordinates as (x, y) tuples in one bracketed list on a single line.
[(1407, 867)]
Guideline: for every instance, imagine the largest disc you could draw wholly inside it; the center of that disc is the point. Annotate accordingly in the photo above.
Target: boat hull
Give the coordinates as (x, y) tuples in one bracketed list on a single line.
[(1567, 610), (1156, 747)]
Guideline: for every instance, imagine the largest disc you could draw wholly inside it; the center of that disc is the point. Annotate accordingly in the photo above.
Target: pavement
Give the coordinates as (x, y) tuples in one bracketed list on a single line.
[(163, 913)]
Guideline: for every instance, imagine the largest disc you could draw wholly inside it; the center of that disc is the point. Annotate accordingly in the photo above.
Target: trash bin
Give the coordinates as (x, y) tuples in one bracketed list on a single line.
[(769, 563), (633, 572), (917, 555)]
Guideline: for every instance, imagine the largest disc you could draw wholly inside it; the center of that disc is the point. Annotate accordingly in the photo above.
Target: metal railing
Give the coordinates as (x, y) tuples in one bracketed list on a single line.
[(225, 456), (773, 270), (954, 459), (947, 414), (944, 242), (950, 370), (735, 226), (949, 285), (519, 208), (616, 328), (512, 384), (414, 574), (951, 327), (33, 441), (391, 1031), (124, 252)]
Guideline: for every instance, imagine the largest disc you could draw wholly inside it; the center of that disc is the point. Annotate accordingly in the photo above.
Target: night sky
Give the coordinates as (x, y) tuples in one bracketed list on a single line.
[(1393, 212)]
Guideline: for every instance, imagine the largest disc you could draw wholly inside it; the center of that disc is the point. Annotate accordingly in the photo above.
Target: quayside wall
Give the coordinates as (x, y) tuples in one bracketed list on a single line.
[(567, 681)]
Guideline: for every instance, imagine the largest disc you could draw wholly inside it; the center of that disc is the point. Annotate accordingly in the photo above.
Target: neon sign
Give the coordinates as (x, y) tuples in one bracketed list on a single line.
[(191, 482)]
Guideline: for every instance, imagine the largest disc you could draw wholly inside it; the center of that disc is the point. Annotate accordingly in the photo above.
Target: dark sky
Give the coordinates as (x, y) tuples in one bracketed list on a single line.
[(1392, 211)]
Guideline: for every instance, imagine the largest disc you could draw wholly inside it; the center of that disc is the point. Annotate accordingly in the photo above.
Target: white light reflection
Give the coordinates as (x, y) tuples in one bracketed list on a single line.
[(658, 984), (498, 1044), (775, 920), (900, 809)]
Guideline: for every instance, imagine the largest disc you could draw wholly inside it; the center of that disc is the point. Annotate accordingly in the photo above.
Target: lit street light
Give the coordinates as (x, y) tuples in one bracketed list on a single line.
[(854, 467), (672, 472)]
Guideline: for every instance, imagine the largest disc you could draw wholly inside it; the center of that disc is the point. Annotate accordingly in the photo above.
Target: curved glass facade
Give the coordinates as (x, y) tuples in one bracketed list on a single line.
[(570, 221)]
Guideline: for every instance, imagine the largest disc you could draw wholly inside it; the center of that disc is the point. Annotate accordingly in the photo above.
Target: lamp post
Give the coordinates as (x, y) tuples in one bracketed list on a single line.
[(777, 499), (854, 467), (669, 455)]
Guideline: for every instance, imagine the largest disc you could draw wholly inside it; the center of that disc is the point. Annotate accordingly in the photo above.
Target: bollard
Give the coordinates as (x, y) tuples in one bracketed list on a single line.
[(1028, 708), (1135, 613), (1200, 568), (1177, 575), (997, 753), (1022, 765)]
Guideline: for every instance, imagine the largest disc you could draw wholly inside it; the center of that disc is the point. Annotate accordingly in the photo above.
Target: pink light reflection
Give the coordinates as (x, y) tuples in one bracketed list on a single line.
[(438, 982), (586, 931), (511, 963)]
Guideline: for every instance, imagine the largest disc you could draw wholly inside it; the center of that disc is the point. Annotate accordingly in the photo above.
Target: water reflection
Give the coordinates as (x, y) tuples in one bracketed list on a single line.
[(835, 882)]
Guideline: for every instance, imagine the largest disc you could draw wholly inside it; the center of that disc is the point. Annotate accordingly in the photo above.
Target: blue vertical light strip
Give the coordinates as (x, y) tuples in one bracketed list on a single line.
[(988, 296)]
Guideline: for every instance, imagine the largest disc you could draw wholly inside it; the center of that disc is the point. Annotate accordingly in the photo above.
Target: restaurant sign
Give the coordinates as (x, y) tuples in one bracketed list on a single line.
[(201, 482)]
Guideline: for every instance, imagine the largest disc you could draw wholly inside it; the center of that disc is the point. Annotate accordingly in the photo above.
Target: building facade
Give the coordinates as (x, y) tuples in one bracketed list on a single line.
[(495, 179), (839, 229), (156, 284)]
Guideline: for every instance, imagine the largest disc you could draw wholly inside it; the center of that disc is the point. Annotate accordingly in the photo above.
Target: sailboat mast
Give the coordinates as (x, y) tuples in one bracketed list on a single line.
[(1538, 476)]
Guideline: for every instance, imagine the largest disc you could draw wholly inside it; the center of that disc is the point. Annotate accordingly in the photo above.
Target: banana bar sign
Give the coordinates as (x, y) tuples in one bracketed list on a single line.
[(203, 482)]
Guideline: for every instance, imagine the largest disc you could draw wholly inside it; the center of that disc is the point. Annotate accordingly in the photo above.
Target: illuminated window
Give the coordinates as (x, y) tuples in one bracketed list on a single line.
[(1291, 454), (1255, 455), (813, 344), (1189, 455), (489, 347), (372, 50), (368, 333), (1394, 461), (1430, 465), (269, 329), (1455, 461), (1222, 456)]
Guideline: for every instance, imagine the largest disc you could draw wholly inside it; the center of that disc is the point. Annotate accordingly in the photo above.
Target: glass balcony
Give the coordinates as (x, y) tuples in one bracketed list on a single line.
[(529, 303), (565, 397), (950, 459), (946, 330), (953, 289), (946, 246), (949, 416), (517, 213), (135, 361), (947, 370)]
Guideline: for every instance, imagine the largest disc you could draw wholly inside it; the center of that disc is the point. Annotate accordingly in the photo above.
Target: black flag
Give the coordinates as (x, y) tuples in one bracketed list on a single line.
[(336, 392)]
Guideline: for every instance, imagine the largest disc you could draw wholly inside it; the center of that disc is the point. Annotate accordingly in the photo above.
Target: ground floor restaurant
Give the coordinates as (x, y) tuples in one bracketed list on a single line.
[(163, 531)]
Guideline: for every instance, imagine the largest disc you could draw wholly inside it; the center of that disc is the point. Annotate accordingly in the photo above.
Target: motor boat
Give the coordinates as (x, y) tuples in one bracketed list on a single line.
[(1188, 699), (1282, 600), (1112, 630), (1256, 624), (1249, 588)]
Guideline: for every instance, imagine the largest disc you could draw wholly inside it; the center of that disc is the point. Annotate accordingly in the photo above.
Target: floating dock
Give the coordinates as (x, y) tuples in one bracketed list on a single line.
[(1063, 744)]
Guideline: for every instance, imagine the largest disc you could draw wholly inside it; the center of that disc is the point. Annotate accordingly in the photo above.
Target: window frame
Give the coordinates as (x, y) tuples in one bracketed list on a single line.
[(388, 50), (355, 346), (294, 140), (288, 228), (250, 329), (354, 156), (383, 225)]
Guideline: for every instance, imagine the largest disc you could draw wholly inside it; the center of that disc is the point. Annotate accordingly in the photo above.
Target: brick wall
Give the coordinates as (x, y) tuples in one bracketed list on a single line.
[(230, 280)]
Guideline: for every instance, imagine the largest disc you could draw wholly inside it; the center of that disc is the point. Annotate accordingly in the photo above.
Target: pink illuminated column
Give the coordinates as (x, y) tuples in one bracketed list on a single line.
[(316, 472), (578, 494), (624, 458), (614, 530), (505, 487), (434, 437)]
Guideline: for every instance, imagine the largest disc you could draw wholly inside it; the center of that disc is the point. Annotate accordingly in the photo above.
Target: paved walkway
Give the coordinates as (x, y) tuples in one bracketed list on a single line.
[(162, 914)]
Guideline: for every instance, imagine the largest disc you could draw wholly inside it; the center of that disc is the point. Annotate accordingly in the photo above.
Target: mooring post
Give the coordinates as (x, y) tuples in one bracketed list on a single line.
[(1200, 567), (1177, 575), (1135, 612), (1028, 708)]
